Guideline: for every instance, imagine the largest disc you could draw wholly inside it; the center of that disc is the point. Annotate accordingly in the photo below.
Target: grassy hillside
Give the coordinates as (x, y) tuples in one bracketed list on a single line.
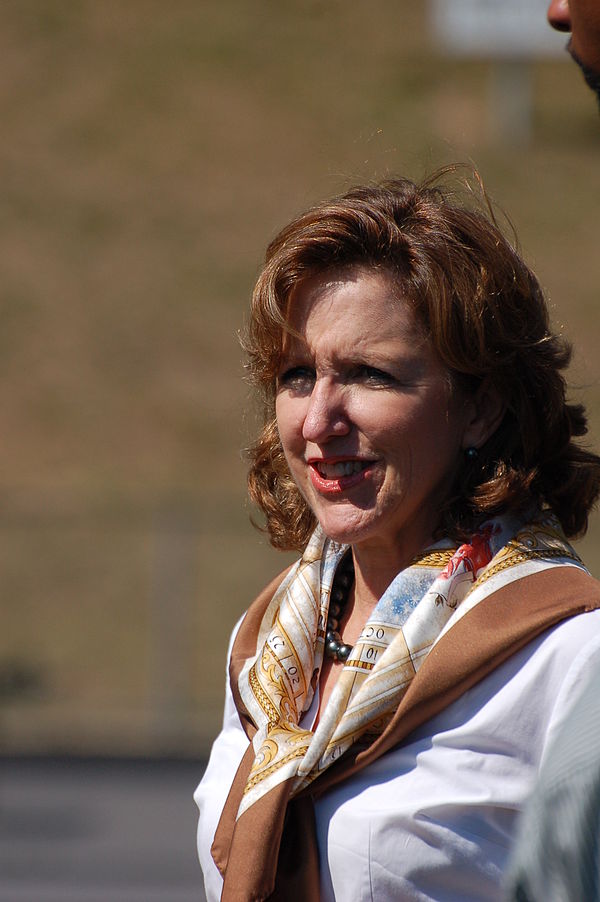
[(148, 154)]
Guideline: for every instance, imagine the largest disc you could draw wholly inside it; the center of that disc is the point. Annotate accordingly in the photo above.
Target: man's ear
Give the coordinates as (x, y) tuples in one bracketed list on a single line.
[(486, 409)]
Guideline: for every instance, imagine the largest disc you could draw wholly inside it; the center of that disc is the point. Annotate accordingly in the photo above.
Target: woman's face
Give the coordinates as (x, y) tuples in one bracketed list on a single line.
[(370, 428)]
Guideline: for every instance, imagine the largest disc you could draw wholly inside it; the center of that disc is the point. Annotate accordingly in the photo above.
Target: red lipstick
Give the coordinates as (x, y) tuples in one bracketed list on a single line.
[(335, 484)]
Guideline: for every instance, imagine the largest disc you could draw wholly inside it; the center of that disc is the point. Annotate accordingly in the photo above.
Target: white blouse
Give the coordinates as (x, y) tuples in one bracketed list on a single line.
[(434, 818)]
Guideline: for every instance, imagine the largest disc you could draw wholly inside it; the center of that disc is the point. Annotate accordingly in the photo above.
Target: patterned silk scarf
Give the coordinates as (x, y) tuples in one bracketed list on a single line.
[(277, 684)]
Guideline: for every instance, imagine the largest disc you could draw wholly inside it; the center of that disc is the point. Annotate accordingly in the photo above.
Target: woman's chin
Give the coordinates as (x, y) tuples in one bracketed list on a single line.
[(346, 532)]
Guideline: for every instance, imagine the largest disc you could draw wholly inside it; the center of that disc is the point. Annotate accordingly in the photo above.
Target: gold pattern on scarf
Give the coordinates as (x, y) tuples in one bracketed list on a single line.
[(438, 559), (541, 542), (262, 697)]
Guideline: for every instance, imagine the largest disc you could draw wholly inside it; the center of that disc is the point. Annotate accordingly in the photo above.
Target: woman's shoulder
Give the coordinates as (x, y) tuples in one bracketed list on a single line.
[(245, 633), (569, 647), (252, 619), (264, 598), (575, 639)]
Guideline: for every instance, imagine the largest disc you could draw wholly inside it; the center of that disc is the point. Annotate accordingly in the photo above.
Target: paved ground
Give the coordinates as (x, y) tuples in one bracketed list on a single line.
[(98, 831)]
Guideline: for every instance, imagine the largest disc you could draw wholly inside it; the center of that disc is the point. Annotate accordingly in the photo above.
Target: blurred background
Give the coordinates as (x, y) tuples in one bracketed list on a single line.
[(148, 153)]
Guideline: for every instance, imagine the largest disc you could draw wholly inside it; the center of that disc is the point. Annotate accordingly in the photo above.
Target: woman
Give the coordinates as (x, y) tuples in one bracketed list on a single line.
[(390, 696)]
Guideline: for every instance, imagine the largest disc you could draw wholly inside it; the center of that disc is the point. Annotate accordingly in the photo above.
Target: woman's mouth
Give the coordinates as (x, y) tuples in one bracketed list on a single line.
[(334, 476)]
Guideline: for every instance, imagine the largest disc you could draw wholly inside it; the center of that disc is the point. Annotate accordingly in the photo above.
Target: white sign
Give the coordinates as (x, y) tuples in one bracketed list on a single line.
[(496, 28)]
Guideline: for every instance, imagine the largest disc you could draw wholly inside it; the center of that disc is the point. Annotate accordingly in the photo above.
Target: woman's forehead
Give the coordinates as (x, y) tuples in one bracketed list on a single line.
[(360, 291), (350, 316)]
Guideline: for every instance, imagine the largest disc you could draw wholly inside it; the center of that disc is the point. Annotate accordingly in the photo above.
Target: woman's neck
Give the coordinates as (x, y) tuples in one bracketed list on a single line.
[(374, 570)]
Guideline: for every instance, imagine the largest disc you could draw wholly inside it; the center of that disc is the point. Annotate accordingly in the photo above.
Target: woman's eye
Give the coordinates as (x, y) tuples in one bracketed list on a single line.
[(297, 378), (373, 376)]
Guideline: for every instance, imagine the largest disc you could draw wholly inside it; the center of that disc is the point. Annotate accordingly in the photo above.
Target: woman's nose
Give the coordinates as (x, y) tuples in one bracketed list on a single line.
[(326, 417), (559, 15)]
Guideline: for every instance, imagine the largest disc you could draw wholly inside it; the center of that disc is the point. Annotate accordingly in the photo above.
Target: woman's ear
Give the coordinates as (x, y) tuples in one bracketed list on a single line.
[(486, 411)]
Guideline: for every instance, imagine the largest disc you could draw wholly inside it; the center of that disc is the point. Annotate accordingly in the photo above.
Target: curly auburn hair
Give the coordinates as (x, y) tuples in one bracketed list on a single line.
[(483, 311)]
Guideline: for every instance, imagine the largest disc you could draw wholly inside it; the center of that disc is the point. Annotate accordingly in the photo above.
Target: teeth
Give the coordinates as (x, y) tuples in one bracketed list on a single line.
[(343, 468)]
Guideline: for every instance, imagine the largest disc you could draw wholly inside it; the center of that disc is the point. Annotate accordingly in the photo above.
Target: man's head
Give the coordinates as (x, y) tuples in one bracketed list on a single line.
[(582, 19)]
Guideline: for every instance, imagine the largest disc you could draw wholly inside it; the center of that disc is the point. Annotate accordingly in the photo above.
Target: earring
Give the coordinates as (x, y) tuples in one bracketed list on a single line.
[(471, 454)]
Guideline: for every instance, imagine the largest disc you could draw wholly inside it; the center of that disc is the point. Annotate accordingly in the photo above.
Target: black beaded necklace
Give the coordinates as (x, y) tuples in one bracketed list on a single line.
[(340, 591)]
